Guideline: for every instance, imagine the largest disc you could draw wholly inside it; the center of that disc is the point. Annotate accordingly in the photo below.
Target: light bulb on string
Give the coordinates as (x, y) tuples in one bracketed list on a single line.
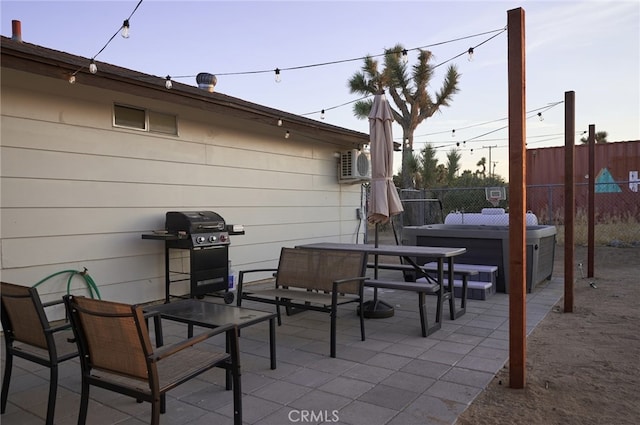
[(72, 79), (540, 117), (470, 52), (279, 122), (168, 84), (322, 114), (277, 71), (287, 134), (453, 133), (93, 68), (125, 29), (405, 57)]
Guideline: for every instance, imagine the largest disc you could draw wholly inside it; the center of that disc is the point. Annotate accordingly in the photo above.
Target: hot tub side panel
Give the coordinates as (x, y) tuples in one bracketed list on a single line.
[(486, 252), (489, 245)]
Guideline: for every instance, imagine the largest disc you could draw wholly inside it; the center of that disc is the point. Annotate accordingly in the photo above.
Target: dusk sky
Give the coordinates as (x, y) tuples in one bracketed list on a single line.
[(590, 47)]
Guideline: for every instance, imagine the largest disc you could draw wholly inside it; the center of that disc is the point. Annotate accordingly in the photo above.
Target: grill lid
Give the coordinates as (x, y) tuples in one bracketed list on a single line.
[(194, 222)]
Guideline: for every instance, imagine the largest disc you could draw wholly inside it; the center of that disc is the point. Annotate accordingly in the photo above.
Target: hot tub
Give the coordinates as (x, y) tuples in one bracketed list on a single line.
[(489, 245)]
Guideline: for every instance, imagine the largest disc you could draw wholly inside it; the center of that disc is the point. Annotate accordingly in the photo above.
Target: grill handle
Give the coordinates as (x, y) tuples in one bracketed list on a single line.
[(211, 227)]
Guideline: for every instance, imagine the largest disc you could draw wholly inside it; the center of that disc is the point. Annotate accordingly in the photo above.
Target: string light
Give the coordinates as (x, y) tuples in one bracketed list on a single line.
[(93, 68), (470, 52), (540, 117), (279, 122), (495, 32), (532, 113), (125, 29), (435, 66), (453, 133), (168, 84), (287, 134)]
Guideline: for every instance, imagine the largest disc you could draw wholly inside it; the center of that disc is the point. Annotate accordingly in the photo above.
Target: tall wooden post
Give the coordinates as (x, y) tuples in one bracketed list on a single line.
[(517, 196), (569, 197), (591, 221)]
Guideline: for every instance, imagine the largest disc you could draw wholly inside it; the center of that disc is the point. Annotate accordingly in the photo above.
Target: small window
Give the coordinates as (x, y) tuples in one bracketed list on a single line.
[(142, 119), (125, 116), (162, 123)]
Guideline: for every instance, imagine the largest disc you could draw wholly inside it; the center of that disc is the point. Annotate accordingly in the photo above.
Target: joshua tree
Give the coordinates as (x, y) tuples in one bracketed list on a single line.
[(407, 89), (453, 164), (601, 137), (482, 163)]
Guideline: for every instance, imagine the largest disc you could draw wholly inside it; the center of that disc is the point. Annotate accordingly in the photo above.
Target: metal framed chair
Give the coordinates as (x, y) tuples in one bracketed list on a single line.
[(29, 335), (116, 354)]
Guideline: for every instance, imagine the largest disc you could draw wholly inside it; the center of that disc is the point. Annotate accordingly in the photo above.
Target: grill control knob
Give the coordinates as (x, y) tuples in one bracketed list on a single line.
[(200, 239), (212, 238)]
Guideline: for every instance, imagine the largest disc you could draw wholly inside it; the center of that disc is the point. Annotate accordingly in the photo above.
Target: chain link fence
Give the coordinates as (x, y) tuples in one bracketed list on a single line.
[(617, 210)]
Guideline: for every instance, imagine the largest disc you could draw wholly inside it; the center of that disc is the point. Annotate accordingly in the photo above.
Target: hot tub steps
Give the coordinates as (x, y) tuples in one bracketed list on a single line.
[(481, 288)]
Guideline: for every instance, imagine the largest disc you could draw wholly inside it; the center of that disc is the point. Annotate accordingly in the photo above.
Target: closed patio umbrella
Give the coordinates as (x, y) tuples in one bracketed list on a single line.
[(384, 202)]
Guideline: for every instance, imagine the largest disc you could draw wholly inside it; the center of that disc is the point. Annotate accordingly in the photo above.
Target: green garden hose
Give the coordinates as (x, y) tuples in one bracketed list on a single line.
[(91, 285)]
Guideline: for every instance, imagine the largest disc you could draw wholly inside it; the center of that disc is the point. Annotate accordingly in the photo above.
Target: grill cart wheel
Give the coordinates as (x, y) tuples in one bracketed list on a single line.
[(228, 297)]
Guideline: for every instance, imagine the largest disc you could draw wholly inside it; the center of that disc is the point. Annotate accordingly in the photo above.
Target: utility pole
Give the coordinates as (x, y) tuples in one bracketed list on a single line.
[(490, 147)]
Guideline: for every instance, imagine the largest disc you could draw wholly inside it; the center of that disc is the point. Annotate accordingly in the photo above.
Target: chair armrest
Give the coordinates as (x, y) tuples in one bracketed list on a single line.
[(168, 350), (349, 279), (243, 272), (337, 283), (52, 303), (257, 270), (59, 328)]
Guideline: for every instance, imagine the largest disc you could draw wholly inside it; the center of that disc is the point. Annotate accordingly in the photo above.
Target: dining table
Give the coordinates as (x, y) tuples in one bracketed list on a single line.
[(411, 255)]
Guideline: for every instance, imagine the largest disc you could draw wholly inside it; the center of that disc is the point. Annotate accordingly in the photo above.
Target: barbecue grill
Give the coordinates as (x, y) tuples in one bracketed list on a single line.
[(204, 236)]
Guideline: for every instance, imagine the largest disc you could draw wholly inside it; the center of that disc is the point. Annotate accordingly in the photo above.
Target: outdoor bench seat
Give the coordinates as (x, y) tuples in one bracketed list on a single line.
[(449, 291), (312, 279), (422, 288)]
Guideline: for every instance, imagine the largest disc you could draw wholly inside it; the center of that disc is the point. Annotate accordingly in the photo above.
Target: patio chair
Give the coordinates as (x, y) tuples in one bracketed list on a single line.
[(116, 354), (29, 335)]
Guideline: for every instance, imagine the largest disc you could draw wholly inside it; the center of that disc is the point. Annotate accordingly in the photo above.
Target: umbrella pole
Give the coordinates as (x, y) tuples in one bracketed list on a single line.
[(376, 309)]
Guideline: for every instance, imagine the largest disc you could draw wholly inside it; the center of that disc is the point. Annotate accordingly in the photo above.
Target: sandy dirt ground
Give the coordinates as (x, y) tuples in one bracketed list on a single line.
[(582, 367)]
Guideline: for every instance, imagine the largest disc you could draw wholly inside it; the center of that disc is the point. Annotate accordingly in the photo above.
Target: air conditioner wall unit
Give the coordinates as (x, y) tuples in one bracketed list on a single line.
[(355, 166)]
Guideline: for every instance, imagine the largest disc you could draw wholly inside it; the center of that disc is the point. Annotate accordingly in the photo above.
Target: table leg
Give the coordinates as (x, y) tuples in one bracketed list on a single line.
[(272, 342), (157, 326), (227, 347), (452, 297)]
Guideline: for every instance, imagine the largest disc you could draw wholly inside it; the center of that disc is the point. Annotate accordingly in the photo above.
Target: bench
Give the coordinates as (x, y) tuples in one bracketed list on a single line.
[(482, 287), (422, 289), (449, 292), (312, 279)]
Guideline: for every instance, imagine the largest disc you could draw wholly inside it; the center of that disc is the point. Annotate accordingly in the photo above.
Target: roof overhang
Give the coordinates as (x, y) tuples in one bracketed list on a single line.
[(51, 63)]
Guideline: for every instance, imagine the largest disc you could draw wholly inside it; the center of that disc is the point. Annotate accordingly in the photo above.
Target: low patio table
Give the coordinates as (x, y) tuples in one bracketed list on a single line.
[(195, 312)]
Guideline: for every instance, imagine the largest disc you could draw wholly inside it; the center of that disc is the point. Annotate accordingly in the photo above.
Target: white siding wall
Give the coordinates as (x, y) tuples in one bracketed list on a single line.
[(77, 192)]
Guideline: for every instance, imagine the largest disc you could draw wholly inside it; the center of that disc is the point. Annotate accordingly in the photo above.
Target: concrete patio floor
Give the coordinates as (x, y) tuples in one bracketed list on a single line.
[(395, 377)]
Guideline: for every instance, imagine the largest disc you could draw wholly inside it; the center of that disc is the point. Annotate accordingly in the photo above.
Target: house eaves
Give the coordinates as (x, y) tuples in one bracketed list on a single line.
[(31, 58)]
